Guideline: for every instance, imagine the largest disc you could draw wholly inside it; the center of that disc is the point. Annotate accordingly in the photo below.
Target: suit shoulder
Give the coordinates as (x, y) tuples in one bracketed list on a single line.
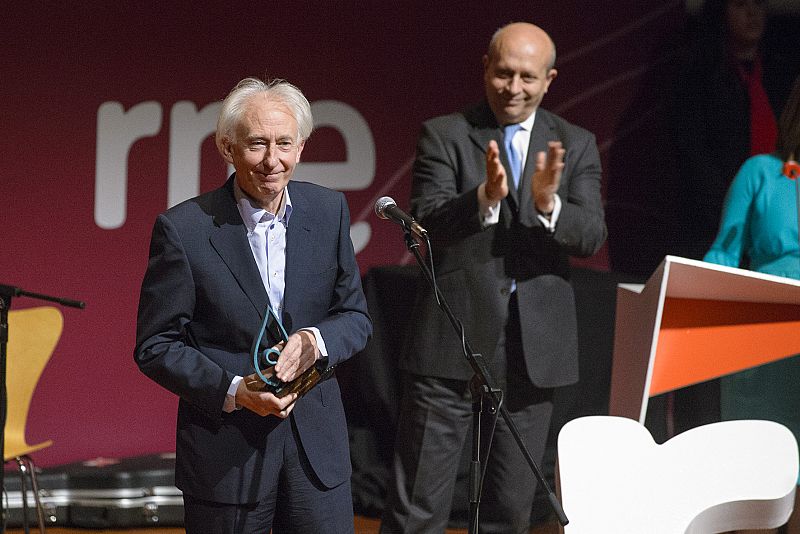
[(447, 123), (564, 127), (203, 199), (324, 202), (315, 191), (475, 116), (195, 212)]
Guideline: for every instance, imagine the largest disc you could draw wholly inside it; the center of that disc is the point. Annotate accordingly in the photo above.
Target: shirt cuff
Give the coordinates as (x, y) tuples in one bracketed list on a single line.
[(323, 350), (489, 213), (549, 222), (230, 399)]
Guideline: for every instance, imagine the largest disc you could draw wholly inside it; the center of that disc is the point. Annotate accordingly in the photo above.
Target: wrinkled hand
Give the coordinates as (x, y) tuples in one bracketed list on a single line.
[(264, 403), (547, 176), (299, 354), (496, 179)]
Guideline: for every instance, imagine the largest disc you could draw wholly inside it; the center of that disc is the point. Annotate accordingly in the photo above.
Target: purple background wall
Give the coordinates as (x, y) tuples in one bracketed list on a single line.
[(396, 64)]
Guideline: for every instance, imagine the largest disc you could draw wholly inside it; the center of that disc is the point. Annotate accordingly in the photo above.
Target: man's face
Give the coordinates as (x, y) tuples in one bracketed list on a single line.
[(745, 20), (264, 151), (517, 75)]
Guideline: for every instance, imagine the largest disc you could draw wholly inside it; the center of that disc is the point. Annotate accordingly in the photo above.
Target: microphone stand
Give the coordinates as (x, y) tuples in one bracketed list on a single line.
[(6, 294), (481, 390)]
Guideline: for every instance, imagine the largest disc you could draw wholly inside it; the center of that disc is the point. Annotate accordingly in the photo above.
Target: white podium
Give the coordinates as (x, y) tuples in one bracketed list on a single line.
[(693, 321)]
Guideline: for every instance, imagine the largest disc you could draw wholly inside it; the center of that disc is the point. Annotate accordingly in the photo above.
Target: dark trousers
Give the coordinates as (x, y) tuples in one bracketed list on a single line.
[(299, 504), (435, 418)]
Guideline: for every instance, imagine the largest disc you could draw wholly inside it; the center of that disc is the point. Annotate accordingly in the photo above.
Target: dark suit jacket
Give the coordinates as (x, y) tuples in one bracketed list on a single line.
[(475, 265), (201, 305)]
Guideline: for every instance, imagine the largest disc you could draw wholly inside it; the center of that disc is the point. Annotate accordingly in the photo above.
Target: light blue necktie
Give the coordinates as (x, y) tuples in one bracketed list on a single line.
[(514, 159), (514, 162)]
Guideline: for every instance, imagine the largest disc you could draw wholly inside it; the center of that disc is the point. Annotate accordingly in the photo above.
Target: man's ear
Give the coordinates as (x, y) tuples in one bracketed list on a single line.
[(551, 75), (226, 150)]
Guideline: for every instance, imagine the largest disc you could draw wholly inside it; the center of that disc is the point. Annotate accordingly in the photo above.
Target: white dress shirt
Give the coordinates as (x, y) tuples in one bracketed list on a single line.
[(490, 213), (266, 233)]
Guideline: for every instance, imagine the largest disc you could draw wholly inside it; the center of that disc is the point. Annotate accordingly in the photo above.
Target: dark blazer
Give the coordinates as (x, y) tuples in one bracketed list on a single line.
[(475, 265), (201, 305)]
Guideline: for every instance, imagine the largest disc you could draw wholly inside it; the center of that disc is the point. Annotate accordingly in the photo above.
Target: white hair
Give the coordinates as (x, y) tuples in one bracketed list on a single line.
[(276, 90)]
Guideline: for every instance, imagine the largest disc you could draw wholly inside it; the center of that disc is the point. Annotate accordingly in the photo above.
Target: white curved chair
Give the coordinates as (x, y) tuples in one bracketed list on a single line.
[(614, 479)]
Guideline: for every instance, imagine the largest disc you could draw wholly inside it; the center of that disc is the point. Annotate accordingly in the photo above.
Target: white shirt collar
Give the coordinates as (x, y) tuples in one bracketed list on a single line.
[(527, 124), (252, 214)]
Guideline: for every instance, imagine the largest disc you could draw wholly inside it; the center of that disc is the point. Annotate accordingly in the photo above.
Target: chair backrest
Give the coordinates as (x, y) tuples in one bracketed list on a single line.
[(32, 336), (734, 475)]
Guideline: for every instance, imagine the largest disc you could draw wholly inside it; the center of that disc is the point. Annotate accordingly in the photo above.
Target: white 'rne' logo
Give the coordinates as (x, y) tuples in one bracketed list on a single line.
[(118, 130)]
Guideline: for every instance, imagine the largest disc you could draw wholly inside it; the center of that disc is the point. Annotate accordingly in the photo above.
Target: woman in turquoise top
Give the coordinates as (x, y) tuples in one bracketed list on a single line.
[(759, 220), (759, 231)]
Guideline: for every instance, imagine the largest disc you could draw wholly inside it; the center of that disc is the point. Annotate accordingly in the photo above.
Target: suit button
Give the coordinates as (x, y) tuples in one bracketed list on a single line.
[(505, 291)]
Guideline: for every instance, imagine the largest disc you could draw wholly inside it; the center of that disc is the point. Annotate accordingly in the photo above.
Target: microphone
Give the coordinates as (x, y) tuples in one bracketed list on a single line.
[(386, 208)]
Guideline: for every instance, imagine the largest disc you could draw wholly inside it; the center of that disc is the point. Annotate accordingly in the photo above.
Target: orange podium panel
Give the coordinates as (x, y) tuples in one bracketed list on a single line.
[(693, 321)]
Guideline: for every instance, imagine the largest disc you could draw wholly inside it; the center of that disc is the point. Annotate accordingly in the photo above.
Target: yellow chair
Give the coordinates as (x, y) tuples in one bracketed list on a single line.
[(32, 336)]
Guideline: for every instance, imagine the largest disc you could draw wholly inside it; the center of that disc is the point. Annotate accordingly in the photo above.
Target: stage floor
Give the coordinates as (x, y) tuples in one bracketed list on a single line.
[(364, 525)]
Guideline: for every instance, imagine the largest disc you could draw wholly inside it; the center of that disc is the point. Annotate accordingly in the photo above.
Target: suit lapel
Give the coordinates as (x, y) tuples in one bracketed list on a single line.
[(540, 135), (485, 129), (229, 239), (298, 237)]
